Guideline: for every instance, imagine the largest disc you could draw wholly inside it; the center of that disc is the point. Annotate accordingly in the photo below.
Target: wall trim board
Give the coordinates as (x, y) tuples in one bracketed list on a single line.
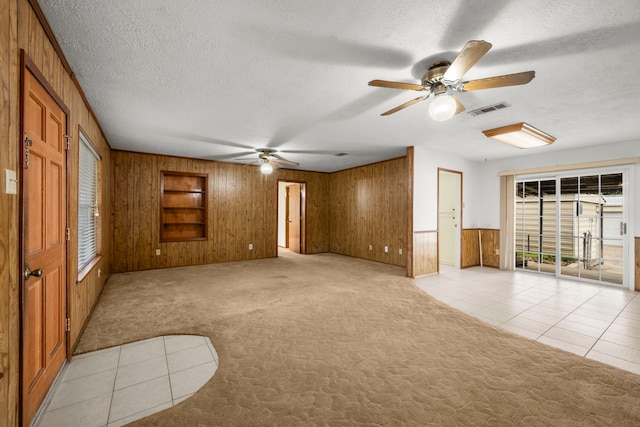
[(409, 238), (573, 166)]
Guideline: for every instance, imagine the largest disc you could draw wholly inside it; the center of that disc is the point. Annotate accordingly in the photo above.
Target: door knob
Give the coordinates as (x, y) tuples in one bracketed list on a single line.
[(35, 273)]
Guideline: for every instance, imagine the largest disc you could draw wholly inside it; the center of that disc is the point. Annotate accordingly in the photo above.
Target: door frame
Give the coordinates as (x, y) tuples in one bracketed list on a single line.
[(627, 170), (27, 65), (303, 213), (458, 255)]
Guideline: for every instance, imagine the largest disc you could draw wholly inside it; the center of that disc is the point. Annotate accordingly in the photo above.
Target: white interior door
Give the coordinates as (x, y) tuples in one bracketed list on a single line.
[(449, 217)]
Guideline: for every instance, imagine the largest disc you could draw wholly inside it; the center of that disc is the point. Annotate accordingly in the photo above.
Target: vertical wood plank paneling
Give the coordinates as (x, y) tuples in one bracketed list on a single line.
[(368, 208), (242, 210), (470, 252), (470, 248), (409, 254), (21, 29), (425, 248), (490, 244), (8, 217)]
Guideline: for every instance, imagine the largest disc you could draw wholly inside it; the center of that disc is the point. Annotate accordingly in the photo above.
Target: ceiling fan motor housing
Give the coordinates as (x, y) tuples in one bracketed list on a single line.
[(434, 74)]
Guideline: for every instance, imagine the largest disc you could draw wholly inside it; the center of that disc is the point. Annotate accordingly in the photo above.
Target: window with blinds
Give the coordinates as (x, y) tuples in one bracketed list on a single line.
[(88, 212)]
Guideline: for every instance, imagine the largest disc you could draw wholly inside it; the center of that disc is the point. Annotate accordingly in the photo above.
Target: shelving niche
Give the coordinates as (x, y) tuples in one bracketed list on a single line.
[(183, 206)]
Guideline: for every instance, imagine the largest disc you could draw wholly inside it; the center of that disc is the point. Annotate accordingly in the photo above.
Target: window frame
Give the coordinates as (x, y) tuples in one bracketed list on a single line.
[(86, 265)]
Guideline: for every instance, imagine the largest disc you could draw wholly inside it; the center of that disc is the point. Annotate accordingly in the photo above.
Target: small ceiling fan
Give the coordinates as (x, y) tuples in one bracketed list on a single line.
[(444, 77), (268, 159)]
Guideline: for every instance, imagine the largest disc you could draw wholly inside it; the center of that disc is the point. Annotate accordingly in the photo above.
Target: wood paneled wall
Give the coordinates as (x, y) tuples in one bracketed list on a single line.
[(470, 248), (242, 211), (368, 207), (20, 28), (425, 248)]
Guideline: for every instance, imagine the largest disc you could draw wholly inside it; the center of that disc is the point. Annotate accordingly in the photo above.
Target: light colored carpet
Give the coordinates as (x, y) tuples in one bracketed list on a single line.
[(332, 340)]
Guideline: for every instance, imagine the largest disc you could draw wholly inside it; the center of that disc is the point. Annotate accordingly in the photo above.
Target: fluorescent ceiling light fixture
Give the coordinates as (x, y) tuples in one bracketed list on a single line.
[(520, 135)]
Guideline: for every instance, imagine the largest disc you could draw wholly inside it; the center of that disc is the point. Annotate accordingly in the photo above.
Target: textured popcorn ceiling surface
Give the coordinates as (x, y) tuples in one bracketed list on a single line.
[(217, 79)]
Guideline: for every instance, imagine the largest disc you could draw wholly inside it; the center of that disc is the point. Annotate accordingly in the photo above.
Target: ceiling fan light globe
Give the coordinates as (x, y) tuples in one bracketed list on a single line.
[(266, 168), (442, 108)]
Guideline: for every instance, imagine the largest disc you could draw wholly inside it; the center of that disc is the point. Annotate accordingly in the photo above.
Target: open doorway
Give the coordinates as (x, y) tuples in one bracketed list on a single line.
[(291, 216), (449, 216)]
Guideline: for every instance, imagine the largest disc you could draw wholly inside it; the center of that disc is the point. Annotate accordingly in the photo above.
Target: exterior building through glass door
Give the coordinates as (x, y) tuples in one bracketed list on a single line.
[(572, 225)]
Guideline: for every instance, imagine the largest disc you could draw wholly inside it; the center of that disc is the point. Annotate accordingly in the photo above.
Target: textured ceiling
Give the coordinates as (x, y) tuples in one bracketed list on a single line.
[(216, 80)]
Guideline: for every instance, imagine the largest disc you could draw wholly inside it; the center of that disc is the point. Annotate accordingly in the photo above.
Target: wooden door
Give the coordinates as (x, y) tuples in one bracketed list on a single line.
[(44, 245), (293, 201)]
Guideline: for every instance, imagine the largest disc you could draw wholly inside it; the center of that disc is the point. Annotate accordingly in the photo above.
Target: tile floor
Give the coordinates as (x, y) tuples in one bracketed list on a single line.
[(121, 384), (594, 321)]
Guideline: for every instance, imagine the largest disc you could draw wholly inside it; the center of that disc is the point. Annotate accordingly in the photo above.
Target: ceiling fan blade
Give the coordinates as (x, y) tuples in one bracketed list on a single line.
[(396, 85), (459, 106), (278, 159), (468, 56), (499, 81), (251, 163), (405, 105)]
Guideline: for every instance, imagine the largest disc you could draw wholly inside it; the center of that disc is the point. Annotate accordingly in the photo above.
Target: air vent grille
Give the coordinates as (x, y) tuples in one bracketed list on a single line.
[(489, 108)]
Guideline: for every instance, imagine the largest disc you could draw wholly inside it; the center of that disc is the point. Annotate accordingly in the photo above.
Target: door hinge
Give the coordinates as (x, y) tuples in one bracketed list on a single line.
[(27, 143), (67, 138), (68, 233), (67, 327)]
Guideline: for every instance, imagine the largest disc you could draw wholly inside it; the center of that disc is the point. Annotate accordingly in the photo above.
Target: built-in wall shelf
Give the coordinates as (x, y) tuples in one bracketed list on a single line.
[(183, 206)]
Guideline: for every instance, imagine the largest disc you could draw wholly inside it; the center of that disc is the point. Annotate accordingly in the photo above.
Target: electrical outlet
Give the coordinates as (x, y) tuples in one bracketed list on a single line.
[(370, 247), (157, 252), (250, 246), (400, 251), (386, 249)]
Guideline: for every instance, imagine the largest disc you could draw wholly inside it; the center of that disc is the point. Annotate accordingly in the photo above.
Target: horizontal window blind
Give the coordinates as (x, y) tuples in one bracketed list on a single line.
[(87, 203)]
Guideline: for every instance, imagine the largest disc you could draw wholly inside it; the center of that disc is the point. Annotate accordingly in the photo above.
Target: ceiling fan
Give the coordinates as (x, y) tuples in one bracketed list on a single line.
[(444, 77), (268, 159)]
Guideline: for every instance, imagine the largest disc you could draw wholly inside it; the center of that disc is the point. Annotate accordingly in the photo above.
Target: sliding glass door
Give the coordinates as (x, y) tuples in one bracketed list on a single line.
[(572, 225)]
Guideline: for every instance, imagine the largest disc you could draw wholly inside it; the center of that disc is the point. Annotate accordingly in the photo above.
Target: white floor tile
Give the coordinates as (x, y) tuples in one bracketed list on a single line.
[(140, 415), (190, 380), (85, 388), (189, 358), (140, 397), (143, 350), (175, 343), (88, 413), (616, 350), (563, 345), (140, 372), (570, 337), (614, 361), (520, 331), (141, 379), (92, 364), (532, 326)]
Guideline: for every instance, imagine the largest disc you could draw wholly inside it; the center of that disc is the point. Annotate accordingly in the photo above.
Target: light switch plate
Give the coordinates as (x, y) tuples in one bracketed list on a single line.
[(10, 182)]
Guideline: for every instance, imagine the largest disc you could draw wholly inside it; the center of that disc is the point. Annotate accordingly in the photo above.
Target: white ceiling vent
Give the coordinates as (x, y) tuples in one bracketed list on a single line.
[(489, 108)]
